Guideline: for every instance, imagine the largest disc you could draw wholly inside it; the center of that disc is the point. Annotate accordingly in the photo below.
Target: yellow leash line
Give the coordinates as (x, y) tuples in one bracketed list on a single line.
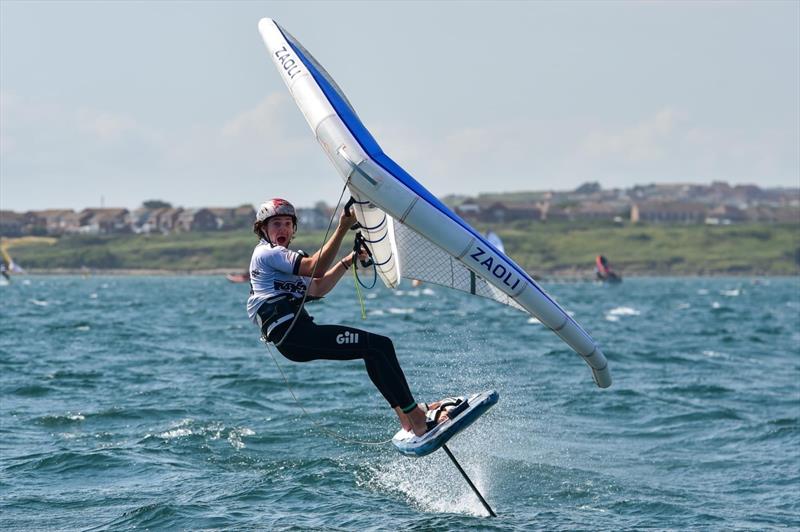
[(358, 292)]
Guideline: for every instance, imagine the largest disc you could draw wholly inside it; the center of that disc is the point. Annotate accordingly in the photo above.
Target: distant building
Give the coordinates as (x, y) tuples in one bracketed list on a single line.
[(75, 221), (142, 220), (196, 220), (783, 214), (500, 212), (673, 212), (26, 223), (554, 213), (594, 210), (469, 208), (56, 221), (244, 215), (670, 203), (11, 223), (104, 221), (155, 220), (724, 215), (167, 219), (233, 218), (314, 218)]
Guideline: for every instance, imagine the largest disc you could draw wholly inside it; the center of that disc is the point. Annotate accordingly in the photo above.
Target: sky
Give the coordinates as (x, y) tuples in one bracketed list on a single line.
[(115, 103)]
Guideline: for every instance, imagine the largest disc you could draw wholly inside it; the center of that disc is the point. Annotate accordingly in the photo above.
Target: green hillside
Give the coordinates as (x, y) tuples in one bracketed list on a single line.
[(543, 249)]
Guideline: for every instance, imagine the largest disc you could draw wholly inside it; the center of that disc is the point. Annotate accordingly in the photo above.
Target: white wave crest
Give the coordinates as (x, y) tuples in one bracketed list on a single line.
[(213, 431), (624, 311), (615, 313)]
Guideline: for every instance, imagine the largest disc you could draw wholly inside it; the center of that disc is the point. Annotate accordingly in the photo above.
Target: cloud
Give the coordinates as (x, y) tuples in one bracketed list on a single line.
[(645, 142), (59, 156), (268, 141), (38, 136), (262, 122), (106, 127), (672, 145), (668, 144), (273, 130), (472, 158)]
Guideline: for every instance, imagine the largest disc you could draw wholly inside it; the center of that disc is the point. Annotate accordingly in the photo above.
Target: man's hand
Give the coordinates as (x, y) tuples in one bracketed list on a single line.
[(363, 256), (345, 221)]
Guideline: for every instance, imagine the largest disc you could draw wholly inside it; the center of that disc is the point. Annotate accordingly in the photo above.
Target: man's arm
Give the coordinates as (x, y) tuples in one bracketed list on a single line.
[(320, 262), (321, 286)]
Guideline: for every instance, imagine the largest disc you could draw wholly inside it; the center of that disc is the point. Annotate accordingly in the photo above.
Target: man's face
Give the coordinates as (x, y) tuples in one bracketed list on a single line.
[(280, 230)]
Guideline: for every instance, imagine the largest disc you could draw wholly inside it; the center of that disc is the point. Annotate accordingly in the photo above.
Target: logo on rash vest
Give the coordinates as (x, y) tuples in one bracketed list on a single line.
[(288, 286), (290, 65), (347, 338), (506, 276)]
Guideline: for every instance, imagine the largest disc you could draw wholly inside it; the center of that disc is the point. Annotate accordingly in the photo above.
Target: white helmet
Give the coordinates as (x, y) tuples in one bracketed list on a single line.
[(275, 207)]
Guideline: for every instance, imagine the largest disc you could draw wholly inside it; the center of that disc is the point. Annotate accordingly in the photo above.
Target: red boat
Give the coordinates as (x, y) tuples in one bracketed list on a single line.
[(238, 277)]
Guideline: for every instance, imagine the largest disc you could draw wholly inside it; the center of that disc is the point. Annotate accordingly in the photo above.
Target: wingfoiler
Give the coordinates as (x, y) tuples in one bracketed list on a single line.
[(411, 233)]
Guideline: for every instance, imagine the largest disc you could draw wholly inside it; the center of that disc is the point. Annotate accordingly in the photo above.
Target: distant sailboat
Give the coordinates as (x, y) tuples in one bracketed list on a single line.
[(494, 240), (604, 272), (8, 266)]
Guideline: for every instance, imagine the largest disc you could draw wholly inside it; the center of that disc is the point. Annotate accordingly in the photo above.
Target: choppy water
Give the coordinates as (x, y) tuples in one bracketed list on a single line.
[(150, 403)]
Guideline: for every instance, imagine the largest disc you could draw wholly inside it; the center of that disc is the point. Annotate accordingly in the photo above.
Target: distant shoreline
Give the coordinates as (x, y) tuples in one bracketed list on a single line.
[(543, 250), (544, 276), (129, 272)]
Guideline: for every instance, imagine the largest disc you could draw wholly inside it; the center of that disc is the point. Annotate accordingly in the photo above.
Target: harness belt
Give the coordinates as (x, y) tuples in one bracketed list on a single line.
[(282, 319), (276, 311)]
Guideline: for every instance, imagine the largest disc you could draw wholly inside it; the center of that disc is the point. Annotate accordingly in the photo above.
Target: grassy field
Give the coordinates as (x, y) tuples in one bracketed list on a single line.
[(542, 249)]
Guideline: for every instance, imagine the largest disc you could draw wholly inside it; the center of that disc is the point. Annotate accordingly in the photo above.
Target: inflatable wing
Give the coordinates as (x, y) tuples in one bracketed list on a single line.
[(409, 231)]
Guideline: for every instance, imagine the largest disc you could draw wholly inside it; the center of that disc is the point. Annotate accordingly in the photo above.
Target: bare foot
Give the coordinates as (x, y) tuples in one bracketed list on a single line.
[(418, 419), (404, 421)]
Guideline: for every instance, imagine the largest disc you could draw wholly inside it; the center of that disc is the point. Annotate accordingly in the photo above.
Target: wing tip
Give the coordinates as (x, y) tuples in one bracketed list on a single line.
[(265, 22), (602, 377)]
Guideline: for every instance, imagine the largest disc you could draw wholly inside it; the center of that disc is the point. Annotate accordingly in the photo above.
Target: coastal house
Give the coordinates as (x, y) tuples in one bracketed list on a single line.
[(167, 219), (105, 221), (223, 216), (664, 193), (468, 209), (552, 212), (196, 220), (493, 211), (11, 223), (780, 215), (593, 210), (56, 221), (747, 194), (669, 212), (141, 220), (314, 218), (33, 224), (75, 221), (147, 220), (244, 216), (499, 212), (21, 224), (724, 215), (233, 217)]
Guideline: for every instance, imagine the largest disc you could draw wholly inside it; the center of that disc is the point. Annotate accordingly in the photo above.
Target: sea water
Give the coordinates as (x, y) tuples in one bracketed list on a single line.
[(150, 403)]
